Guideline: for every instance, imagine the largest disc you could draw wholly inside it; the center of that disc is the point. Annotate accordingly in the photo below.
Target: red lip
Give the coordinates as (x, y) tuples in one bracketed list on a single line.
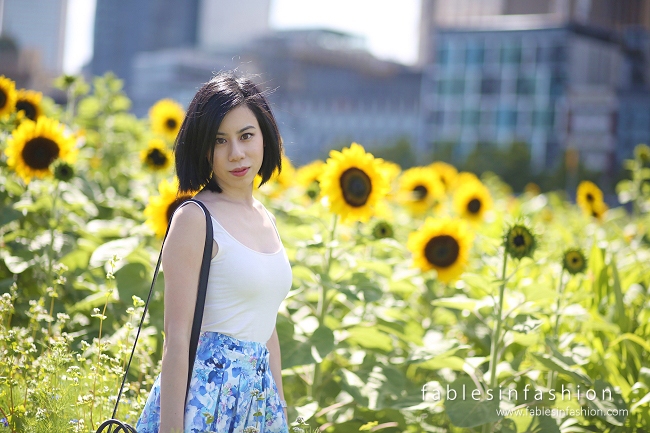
[(240, 171)]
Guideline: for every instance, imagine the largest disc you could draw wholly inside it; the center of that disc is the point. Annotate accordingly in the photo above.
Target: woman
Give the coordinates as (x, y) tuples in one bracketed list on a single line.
[(228, 136)]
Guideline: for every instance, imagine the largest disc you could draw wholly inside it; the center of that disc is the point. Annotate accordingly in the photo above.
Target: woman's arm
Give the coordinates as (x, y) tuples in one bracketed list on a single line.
[(182, 254), (273, 345)]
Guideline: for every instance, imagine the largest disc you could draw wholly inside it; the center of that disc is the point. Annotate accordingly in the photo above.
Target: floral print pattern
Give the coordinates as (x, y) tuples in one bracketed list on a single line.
[(231, 390)]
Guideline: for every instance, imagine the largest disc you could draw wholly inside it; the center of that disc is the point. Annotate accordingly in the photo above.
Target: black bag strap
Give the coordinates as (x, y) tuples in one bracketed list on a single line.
[(200, 300)]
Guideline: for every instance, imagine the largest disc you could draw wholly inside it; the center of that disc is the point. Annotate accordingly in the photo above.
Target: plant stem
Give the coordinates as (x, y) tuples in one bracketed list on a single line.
[(322, 306), (496, 336), (551, 374), (51, 223)]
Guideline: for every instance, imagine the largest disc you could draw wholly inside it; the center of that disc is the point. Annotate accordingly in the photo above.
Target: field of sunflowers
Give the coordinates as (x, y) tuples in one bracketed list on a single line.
[(423, 300)]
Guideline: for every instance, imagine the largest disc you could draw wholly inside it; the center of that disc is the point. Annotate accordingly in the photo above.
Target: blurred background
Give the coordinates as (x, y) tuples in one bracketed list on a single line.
[(548, 91)]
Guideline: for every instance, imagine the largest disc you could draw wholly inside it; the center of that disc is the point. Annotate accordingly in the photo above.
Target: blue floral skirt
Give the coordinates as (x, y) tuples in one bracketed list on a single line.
[(231, 390)]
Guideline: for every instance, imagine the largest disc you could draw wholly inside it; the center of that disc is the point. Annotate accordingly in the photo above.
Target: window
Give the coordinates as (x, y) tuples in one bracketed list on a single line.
[(451, 86), (511, 54), (490, 86), (475, 54), (470, 118), (543, 119), (525, 86), (506, 118)]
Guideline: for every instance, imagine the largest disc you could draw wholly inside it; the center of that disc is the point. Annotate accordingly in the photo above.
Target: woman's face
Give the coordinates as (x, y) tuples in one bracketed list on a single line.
[(238, 150)]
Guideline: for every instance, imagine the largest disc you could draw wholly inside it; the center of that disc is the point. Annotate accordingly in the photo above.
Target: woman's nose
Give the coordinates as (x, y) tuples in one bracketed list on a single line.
[(236, 151)]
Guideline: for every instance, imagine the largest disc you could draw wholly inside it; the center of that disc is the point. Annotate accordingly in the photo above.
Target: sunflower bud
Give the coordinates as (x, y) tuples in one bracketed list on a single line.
[(63, 171), (383, 229), (642, 153), (520, 242), (574, 261)]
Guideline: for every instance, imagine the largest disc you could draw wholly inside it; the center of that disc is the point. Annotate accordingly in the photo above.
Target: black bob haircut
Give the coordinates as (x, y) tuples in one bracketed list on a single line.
[(198, 133)]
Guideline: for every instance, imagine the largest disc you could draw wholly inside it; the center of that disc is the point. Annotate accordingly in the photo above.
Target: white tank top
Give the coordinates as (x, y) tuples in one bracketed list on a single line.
[(245, 288)]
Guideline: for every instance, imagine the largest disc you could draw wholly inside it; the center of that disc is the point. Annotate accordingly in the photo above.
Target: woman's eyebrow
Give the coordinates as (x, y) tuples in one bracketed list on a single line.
[(240, 131)]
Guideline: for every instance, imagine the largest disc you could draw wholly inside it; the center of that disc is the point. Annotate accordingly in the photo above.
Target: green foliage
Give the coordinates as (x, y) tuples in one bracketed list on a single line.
[(368, 342)]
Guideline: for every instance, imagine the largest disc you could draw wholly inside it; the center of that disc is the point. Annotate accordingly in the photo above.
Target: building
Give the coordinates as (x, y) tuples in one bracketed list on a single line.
[(546, 72), (124, 27), (33, 33), (326, 90)]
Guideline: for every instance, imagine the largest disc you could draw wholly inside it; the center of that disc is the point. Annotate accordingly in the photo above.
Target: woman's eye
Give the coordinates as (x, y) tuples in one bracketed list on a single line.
[(220, 140), (246, 136)]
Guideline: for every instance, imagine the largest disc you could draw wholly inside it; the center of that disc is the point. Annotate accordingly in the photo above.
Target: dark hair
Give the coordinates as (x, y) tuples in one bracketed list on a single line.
[(198, 133)]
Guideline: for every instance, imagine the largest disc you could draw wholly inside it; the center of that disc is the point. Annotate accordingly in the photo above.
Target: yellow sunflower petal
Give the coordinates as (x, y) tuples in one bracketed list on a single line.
[(307, 174), (162, 207), (420, 189), (29, 102), (589, 196), (34, 146), (166, 117), (472, 200), (443, 245), (7, 96), (447, 172), (354, 183), (156, 156)]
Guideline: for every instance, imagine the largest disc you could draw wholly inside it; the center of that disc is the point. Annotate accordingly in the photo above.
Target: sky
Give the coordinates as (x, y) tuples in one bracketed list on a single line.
[(390, 27)]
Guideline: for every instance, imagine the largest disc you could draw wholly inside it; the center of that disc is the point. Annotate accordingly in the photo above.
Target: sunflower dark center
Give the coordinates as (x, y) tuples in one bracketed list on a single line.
[(442, 251), (594, 214), (157, 157), (171, 123), (356, 186), (174, 205), (574, 260), (420, 192), (28, 108), (519, 241), (474, 205), (590, 197), (3, 98), (40, 152)]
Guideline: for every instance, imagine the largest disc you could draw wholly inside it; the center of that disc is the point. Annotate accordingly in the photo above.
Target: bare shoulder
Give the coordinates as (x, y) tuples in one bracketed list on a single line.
[(263, 209), (187, 225)]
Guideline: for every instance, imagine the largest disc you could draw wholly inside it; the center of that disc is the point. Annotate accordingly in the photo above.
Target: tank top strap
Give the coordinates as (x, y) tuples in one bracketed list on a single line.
[(273, 222)]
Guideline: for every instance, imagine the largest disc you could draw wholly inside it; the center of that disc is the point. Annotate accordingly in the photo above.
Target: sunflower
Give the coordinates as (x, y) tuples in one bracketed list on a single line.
[(520, 242), (574, 261), (598, 210), (391, 170), (443, 245), (286, 177), (7, 96), (63, 171), (29, 102), (532, 188), (420, 189), (354, 183), (156, 156), (166, 117), (161, 208), (447, 173), (34, 146), (588, 196), (471, 200), (642, 153), (307, 174), (382, 229)]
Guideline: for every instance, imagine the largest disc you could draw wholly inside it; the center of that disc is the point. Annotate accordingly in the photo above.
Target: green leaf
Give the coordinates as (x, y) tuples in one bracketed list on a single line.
[(16, 265), (555, 364), (119, 247), (619, 317), (296, 353), (467, 410), (133, 279), (605, 406), (369, 338), (323, 340), (458, 303), (8, 215)]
